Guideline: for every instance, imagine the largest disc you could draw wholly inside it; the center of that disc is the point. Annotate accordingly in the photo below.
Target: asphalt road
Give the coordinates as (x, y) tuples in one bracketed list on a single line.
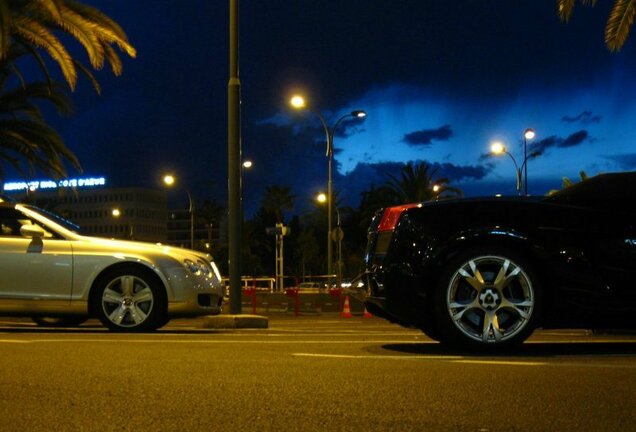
[(320, 373)]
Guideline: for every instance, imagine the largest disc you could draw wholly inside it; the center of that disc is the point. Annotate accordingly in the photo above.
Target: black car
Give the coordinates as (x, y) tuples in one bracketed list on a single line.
[(485, 272)]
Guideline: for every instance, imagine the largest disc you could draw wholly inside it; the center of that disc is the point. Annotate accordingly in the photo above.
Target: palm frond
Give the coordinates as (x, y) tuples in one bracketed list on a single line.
[(40, 36), (86, 33), (5, 27), (564, 9), (109, 30), (84, 70), (619, 24), (113, 59)]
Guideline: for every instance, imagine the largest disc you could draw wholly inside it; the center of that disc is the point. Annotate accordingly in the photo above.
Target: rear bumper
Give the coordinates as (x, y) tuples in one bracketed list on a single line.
[(368, 287)]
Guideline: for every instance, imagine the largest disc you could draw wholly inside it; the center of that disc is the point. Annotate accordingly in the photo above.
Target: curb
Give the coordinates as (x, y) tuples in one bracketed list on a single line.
[(235, 321)]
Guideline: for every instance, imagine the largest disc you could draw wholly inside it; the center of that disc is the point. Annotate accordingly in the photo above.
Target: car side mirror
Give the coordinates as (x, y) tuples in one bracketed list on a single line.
[(32, 231)]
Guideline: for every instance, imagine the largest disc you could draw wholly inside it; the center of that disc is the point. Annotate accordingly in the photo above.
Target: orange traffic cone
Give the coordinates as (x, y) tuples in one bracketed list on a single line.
[(366, 313), (346, 310)]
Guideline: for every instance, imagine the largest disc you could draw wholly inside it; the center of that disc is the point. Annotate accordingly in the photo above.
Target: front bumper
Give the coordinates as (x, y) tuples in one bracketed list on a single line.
[(194, 294)]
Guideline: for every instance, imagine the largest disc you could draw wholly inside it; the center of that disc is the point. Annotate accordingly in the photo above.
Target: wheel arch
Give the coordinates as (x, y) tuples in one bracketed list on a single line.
[(505, 240)]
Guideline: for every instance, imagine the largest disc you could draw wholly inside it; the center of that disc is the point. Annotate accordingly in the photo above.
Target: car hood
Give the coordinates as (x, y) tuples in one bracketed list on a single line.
[(134, 247)]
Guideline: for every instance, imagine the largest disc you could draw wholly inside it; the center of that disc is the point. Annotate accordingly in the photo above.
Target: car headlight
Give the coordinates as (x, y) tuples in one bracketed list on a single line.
[(205, 268), (195, 268)]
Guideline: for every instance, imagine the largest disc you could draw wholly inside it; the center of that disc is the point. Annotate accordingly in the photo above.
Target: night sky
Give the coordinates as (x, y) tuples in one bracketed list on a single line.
[(440, 80)]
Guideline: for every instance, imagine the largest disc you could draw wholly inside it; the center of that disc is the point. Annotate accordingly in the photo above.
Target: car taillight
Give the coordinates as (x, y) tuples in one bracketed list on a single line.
[(392, 215)]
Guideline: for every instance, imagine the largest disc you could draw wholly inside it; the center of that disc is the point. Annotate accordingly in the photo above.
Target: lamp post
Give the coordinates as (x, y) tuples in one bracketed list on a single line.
[(498, 148), (298, 102), (528, 134), (117, 213), (169, 180), (336, 235)]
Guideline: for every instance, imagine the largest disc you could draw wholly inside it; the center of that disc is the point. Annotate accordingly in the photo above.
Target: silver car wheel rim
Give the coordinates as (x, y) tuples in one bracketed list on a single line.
[(127, 301), (490, 299)]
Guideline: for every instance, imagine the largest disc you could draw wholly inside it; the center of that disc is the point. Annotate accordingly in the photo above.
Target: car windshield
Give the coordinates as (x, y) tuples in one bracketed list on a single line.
[(65, 223)]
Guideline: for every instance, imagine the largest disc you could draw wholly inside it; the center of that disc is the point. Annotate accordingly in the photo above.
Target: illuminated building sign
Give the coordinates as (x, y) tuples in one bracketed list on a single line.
[(33, 185)]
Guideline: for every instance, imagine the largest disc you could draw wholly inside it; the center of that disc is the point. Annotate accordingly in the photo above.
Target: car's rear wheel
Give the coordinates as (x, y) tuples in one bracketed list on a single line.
[(67, 321), (487, 298), (130, 299)]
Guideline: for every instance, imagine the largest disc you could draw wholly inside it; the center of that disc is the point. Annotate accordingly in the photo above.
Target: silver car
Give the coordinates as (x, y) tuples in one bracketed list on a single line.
[(51, 273)]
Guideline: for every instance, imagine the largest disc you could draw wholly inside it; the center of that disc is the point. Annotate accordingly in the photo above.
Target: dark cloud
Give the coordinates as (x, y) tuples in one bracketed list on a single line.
[(586, 117), (426, 137), (626, 161), (575, 139), (572, 140)]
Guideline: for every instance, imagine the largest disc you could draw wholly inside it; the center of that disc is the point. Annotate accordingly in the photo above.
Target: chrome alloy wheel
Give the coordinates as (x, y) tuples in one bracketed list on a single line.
[(490, 299), (127, 301)]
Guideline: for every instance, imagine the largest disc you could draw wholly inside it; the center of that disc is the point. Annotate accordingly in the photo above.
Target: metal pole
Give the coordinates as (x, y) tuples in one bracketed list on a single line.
[(234, 163), (329, 210), (525, 162), (191, 219)]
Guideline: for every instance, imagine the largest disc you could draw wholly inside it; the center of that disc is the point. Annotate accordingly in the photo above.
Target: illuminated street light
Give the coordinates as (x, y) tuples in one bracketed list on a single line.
[(498, 148), (169, 180), (247, 164), (528, 134), (298, 102)]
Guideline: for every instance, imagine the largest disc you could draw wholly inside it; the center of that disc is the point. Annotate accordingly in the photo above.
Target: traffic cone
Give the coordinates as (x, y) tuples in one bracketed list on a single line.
[(346, 310), (366, 313)]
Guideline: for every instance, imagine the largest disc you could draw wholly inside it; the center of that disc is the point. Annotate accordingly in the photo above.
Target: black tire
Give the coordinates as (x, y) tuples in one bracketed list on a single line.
[(130, 298), (487, 298), (67, 321)]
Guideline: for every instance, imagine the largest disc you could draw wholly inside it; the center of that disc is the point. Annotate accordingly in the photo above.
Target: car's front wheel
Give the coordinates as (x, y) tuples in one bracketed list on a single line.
[(130, 299), (487, 298)]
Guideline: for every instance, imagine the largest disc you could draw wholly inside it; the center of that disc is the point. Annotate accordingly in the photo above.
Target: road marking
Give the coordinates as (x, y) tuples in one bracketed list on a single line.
[(463, 360), (382, 357), (196, 341), (17, 341), (501, 362)]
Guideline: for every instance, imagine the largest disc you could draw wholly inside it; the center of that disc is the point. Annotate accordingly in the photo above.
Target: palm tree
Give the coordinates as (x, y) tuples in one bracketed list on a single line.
[(32, 25), (618, 25), (277, 199), (27, 142), (416, 184)]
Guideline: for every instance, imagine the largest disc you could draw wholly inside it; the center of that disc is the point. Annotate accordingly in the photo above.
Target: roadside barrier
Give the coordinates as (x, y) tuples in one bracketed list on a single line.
[(260, 300)]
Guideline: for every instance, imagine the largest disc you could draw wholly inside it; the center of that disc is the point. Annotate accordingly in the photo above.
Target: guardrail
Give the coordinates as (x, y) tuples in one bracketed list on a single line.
[(297, 301)]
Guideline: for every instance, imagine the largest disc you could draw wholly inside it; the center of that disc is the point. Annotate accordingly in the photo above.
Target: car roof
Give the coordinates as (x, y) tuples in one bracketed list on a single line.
[(603, 187)]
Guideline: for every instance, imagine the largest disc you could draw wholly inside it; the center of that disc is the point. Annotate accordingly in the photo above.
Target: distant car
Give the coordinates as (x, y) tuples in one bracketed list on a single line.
[(486, 272), (51, 273), (311, 287)]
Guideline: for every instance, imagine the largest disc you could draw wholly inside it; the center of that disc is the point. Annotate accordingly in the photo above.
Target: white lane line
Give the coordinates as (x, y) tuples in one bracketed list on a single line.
[(501, 362), (463, 360), (379, 357), (213, 342), (17, 341)]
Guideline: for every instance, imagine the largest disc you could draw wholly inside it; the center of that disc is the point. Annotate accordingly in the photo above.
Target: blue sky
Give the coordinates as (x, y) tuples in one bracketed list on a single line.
[(439, 81)]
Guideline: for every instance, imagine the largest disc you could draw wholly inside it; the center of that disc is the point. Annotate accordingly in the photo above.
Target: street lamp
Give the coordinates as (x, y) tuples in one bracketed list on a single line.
[(498, 148), (528, 134), (298, 102), (117, 213), (169, 180)]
